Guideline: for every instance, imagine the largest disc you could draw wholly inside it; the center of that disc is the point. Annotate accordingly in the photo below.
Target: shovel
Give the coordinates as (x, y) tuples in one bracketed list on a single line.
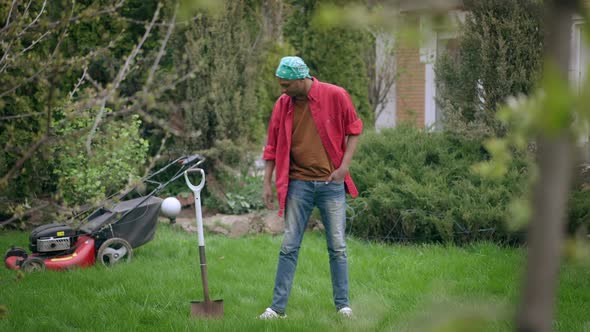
[(207, 308)]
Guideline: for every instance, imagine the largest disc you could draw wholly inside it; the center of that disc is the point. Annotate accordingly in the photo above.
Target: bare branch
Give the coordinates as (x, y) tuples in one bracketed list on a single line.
[(56, 48), (22, 160), (95, 126), (120, 76), (164, 125), (45, 137), (161, 51), (102, 95), (186, 22), (157, 156), (93, 82), (135, 108), (35, 42), (107, 11), (6, 53), (68, 62), (19, 35), (384, 72), (9, 13), (178, 81), (27, 8), (20, 116), (71, 94), (123, 71), (34, 21), (27, 80), (18, 216)]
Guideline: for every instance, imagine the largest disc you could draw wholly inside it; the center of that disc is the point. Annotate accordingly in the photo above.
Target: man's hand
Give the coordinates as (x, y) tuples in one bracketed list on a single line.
[(338, 175), (269, 196)]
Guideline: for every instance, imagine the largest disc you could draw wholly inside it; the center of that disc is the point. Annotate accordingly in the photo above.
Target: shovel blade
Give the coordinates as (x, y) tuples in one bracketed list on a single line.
[(207, 309)]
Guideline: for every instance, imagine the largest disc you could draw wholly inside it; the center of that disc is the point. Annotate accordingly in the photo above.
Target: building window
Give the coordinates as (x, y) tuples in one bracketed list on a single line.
[(580, 55)]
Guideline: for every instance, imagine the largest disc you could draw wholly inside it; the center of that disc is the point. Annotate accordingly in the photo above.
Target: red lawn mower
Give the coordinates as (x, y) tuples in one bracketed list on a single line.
[(108, 234)]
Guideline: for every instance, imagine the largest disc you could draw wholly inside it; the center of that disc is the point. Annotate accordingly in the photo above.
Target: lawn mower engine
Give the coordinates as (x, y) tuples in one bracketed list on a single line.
[(51, 238), (53, 246)]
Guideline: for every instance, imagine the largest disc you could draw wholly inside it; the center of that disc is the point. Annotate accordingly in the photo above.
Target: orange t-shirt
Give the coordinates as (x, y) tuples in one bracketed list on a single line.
[(309, 159)]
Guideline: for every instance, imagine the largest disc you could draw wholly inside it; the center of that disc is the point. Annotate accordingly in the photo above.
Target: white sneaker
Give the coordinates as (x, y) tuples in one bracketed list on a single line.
[(345, 312), (271, 314)]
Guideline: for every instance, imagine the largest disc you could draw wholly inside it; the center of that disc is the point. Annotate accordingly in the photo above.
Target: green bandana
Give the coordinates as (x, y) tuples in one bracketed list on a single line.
[(292, 68)]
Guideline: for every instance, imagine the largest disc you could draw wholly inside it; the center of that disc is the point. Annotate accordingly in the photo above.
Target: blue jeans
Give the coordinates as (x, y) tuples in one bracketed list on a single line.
[(331, 201)]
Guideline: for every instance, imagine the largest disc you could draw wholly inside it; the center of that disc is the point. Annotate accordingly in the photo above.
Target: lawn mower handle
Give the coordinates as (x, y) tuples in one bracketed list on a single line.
[(189, 159)]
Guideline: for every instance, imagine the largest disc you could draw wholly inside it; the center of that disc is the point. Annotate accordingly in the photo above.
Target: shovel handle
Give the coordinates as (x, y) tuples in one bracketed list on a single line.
[(198, 187), (204, 273), (197, 193)]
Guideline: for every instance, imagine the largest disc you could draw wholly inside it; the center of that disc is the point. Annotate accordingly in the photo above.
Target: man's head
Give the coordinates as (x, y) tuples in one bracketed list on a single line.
[(292, 73)]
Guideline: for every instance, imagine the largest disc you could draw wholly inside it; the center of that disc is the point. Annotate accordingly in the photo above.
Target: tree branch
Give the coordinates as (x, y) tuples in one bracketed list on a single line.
[(34, 20), (27, 80), (19, 35), (20, 116), (554, 156), (120, 76), (17, 216), (53, 24), (22, 160), (35, 42), (71, 94), (161, 51), (9, 14)]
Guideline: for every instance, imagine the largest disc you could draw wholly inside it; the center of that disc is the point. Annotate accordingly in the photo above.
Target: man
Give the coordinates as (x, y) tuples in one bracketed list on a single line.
[(312, 136)]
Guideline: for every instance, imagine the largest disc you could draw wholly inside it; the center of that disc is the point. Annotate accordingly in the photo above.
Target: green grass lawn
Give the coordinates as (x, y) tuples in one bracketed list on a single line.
[(393, 288)]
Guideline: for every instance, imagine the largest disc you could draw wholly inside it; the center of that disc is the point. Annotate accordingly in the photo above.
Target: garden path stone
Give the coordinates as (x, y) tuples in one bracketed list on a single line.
[(231, 225), (260, 222)]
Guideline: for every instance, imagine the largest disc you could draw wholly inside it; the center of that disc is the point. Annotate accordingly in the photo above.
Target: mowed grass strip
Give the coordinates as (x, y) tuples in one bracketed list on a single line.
[(393, 288)]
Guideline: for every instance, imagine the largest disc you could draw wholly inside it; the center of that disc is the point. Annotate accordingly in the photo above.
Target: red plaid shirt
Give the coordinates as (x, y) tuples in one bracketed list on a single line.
[(334, 117)]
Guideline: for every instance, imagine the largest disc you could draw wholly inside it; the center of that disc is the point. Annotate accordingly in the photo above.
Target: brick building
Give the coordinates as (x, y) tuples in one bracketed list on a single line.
[(412, 96)]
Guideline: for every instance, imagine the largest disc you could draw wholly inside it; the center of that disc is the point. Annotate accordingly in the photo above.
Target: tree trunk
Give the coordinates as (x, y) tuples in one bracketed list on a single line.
[(554, 157), (545, 235)]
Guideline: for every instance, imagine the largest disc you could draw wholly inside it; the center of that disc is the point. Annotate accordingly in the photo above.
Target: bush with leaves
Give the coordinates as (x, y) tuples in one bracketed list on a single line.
[(118, 152), (419, 186), (233, 187), (88, 55)]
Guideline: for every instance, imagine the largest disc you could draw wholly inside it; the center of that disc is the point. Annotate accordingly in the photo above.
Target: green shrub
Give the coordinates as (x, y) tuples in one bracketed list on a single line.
[(235, 194), (418, 186), (233, 187), (499, 55), (579, 213), (220, 102), (118, 151)]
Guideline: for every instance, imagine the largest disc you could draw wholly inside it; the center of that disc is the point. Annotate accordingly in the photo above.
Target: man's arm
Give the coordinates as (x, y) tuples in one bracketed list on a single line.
[(339, 174), (269, 168)]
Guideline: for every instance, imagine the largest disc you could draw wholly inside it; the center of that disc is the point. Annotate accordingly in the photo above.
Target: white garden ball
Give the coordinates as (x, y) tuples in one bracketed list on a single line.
[(171, 207)]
